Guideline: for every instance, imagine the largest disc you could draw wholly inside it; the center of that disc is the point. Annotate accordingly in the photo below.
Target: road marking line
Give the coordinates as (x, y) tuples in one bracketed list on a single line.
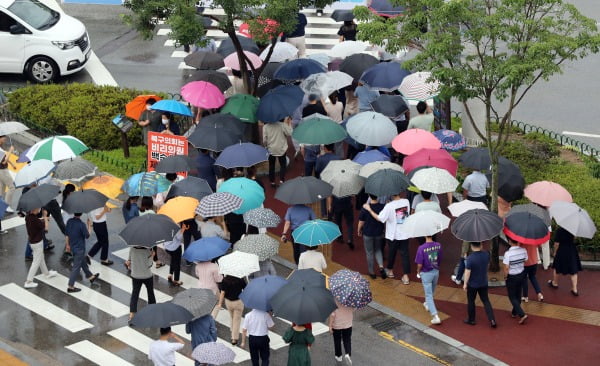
[(163, 32), (43, 308), (140, 342), (580, 134), (179, 54), (169, 43), (183, 66), (96, 354), (13, 222), (241, 355), (87, 295), (99, 72), (415, 349)]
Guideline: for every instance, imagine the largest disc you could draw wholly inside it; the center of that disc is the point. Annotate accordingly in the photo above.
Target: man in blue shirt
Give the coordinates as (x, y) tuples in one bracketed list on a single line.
[(295, 216), (77, 232), (476, 282)]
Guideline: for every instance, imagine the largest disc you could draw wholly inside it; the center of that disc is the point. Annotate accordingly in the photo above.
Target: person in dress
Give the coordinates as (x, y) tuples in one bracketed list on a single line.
[(566, 259), (428, 259), (300, 339), (140, 262), (312, 258), (340, 326), (231, 287), (162, 352)]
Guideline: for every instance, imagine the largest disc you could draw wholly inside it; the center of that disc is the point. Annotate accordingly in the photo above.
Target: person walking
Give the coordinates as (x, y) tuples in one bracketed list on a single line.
[(428, 259), (530, 273), (140, 262), (295, 216), (205, 166), (296, 37), (67, 190), (130, 208), (35, 233), (77, 232), (98, 218), (475, 187), (150, 120), (209, 228), (7, 186), (173, 248), (393, 215), (147, 208), (340, 209), (423, 120), (162, 352), (340, 326), (476, 283), (312, 258), (202, 330), (209, 277), (256, 326), (566, 259), (514, 274), (371, 230), (231, 287), (300, 339), (275, 141), (347, 31)]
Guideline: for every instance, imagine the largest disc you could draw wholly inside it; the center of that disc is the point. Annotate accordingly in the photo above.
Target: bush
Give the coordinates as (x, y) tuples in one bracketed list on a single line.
[(113, 162), (81, 110)]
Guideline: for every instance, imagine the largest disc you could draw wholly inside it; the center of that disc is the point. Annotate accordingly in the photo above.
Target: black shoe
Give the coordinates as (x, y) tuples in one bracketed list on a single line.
[(3, 232), (382, 273), (575, 293), (188, 263), (49, 242), (94, 278), (49, 247), (88, 259), (74, 289), (470, 322), (372, 275), (351, 244), (107, 262), (28, 259), (493, 323)]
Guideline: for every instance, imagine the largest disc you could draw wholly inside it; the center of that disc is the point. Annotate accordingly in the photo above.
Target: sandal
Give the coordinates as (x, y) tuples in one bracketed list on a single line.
[(177, 283), (551, 284), (405, 281), (170, 279), (159, 264)]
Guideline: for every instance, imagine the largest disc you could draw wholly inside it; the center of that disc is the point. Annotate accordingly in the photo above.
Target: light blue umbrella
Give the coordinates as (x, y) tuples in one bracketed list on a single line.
[(366, 157), (252, 194), (206, 249), (316, 232), (172, 106), (258, 293), (146, 184)]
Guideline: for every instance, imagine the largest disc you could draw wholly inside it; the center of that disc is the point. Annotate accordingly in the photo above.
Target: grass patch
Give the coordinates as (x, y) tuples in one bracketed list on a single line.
[(113, 161)]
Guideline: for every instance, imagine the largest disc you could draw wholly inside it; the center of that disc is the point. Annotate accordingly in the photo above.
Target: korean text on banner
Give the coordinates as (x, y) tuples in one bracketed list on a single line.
[(161, 145)]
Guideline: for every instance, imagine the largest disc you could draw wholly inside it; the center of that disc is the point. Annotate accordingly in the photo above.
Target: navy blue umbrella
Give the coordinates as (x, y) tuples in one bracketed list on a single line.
[(386, 76), (298, 69), (385, 8), (258, 293), (279, 103), (242, 155)]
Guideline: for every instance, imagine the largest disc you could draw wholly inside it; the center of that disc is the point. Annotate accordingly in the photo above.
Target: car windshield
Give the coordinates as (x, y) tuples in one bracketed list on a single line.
[(34, 13)]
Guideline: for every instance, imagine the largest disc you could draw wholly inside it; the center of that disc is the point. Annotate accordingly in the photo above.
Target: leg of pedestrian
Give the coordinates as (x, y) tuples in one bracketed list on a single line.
[(37, 250), (393, 248), (471, 294), (369, 243), (347, 340), (149, 283), (428, 279), (487, 305), (136, 285), (282, 167), (403, 247), (272, 169), (337, 344)]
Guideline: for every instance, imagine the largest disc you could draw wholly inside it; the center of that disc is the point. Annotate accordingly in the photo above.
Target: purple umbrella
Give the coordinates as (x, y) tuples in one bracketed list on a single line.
[(370, 156)]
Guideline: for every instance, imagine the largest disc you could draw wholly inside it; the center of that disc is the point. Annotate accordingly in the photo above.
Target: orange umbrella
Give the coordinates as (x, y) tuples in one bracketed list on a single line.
[(106, 184), (135, 108), (180, 208)]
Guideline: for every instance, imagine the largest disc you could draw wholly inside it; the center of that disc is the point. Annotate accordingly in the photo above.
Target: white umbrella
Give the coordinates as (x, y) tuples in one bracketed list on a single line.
[(459, 208), (320, 57), (434, 180), (371, 129), (376, 166), (425, 223), (34, 172), (325, 83), (238, 264), (347, 48), (7, 128), (343, 176), (283, 51), (573, 218)]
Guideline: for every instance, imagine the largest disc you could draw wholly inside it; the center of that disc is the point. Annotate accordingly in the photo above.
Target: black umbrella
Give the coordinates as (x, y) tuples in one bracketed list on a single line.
[(204, 60), (510, 180), (526, 228), (229, 121), (174, 164), (214, 137), (307, 277), (303, 304), (219, 79), (342, 15), (226, 47), (391, 106), (38, 197), (355, 65), (149, 230), (161, 315), (477, 225), (194, 187), (198, 301), (477, 158), (533, 209), (303, 190), (84, 201), (386, 182)]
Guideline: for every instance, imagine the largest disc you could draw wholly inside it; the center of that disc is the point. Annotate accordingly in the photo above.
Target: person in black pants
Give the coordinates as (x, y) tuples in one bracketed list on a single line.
[(98, 218), (191, 232), (476, 282), (140, 262), (256, 326), (236, 226), (173, 248), (342, 208)]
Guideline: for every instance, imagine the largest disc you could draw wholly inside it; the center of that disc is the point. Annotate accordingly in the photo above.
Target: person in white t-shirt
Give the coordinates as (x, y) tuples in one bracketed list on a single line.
[(393, 215), (162, 352), (311, 258)]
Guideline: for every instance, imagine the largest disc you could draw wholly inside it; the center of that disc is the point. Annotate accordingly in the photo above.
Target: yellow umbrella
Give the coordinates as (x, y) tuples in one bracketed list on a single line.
[(107, 185), (180, 208)]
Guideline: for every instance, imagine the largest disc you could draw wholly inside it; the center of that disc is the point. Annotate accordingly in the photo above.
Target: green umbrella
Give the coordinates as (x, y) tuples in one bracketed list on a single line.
[(243, 106), (252, 194), (56, 148), (319, 131)]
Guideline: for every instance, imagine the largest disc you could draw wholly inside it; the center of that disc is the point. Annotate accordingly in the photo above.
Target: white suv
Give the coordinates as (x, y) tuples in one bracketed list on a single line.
[(40, 42)]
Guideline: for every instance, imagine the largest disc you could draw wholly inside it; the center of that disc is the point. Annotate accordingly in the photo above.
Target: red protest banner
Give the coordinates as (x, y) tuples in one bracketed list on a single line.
[(161, 145)]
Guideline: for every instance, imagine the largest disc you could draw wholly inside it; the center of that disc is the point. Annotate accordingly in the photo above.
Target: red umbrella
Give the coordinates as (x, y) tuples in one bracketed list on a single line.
[(135, 108), (431, 157), (545, 193), (410, 141)]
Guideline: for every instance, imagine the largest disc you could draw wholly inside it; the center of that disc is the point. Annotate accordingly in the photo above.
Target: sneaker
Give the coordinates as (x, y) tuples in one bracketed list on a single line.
[(524, 299), (338, 359), (30, 285), (455, 280), (425, 306), (51, 273), (347, 359), (389, 273), (383, 273), (436, 320), (2, 232), (458, 282), (9, 210)]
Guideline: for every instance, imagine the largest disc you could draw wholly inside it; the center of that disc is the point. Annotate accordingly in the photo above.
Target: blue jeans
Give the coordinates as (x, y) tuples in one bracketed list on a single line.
[(429, 281), (29, 252), (309, 168)]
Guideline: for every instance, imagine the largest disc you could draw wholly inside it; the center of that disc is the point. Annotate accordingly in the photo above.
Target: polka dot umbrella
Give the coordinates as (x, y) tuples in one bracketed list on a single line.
[(350, 289)]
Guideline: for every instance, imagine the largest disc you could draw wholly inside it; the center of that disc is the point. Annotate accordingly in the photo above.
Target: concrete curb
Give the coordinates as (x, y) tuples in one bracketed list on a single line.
[(417, 325)]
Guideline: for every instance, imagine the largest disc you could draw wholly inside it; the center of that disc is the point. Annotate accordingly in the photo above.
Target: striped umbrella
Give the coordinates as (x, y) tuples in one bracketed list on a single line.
[(56, 148), (218, 204), (419, 86)]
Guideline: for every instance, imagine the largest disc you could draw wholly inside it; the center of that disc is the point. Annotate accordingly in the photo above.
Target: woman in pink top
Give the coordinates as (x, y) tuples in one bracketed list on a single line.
[(208, 277), (530, 269), (340, 325)]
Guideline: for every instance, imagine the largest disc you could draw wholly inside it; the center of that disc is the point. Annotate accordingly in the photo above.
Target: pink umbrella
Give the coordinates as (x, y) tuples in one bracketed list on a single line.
[(430, 157), (545, 193), (203, 94), (410, 141), (232, 61)]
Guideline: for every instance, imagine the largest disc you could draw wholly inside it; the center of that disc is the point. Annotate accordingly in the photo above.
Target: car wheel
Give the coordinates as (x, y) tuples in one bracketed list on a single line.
[(41, 70)]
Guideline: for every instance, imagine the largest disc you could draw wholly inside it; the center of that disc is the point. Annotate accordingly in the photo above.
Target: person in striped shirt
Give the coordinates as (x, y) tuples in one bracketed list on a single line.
[(514, 273)]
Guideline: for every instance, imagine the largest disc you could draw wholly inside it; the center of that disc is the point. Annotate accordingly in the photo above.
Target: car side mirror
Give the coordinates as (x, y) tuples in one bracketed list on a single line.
[(18, 29)]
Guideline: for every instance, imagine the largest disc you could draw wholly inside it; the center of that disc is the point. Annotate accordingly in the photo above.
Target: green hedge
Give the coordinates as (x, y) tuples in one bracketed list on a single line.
[(113, 162), (81, 110)]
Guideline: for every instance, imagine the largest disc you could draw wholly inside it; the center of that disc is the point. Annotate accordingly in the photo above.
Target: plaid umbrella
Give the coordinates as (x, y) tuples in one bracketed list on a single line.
[(262, 245), (238, 264), (74, 170), (477, 225), (316, 232), (343, 176), (218, 204), (526, 228), (262, 217), (258, 293), (198, 301), (213, 353), (350, 289), (434, 180), (376, 166), (386, 182)]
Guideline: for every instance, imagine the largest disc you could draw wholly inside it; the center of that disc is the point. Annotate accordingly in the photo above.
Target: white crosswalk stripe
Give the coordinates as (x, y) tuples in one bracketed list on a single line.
[(97, 354), (44, 308)]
